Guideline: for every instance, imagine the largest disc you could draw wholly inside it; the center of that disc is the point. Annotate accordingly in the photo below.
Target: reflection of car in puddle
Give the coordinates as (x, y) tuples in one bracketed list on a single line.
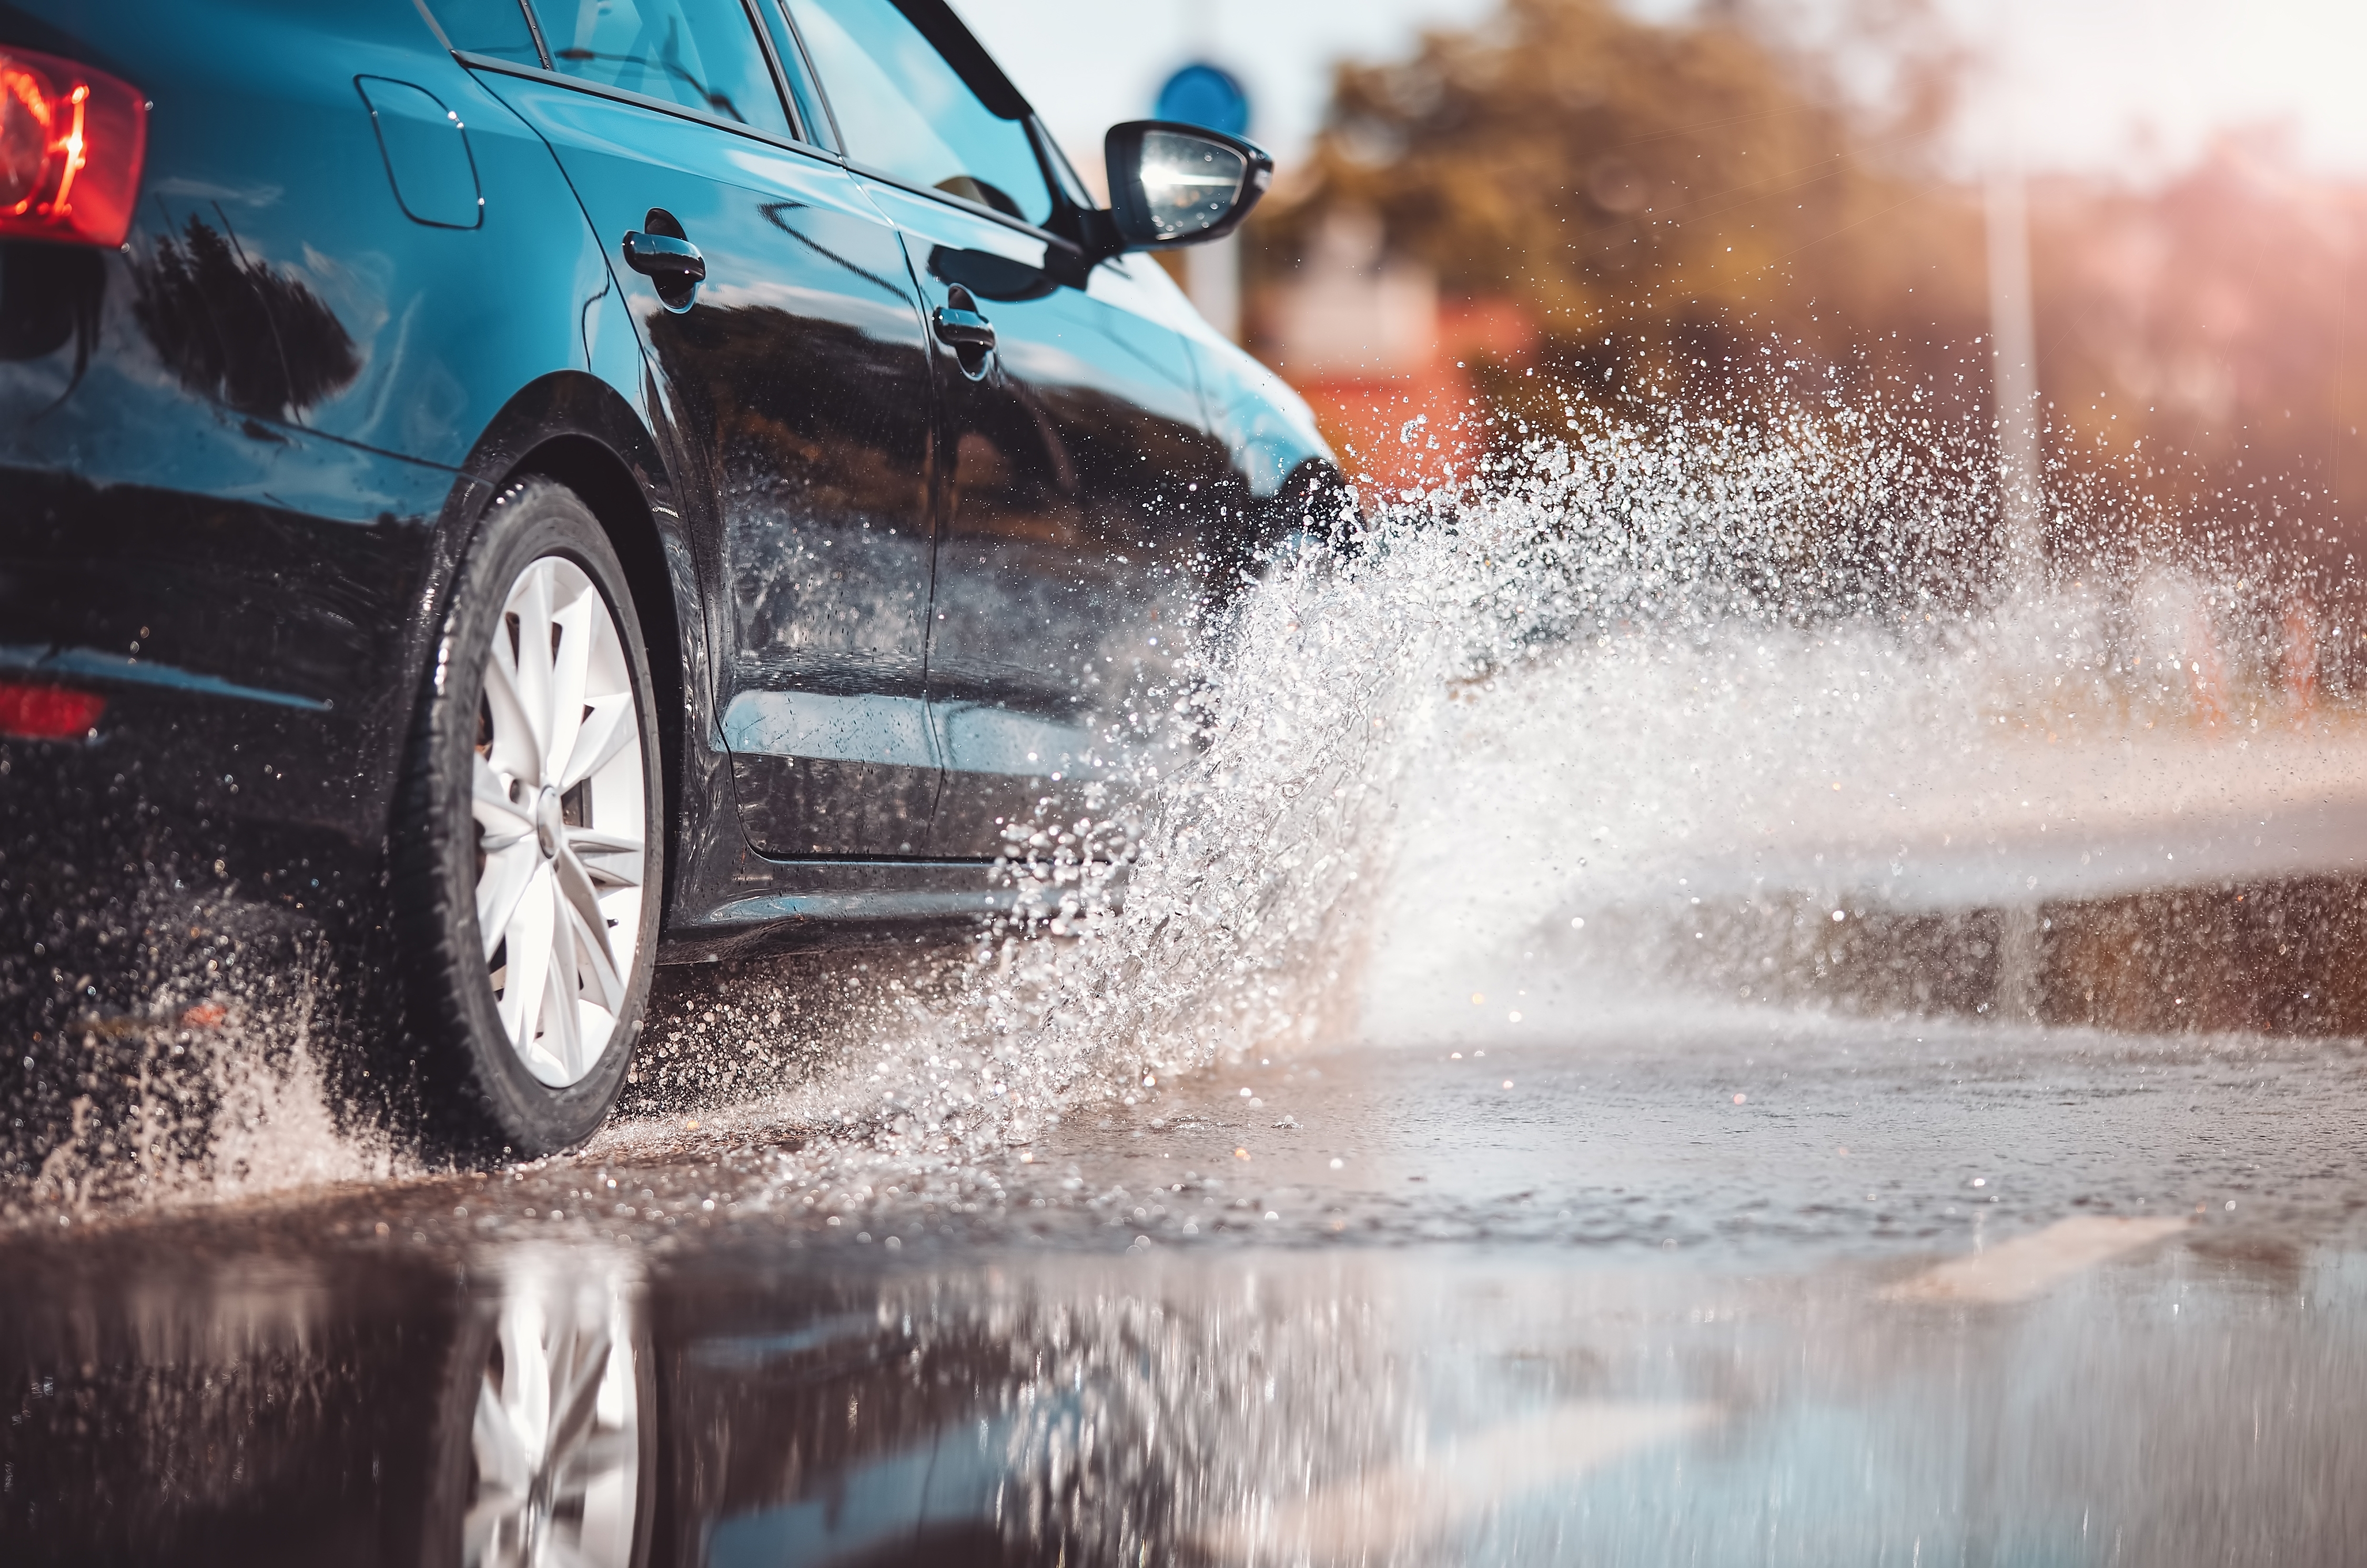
[(558, 1469), (355, 1407), (352, 1408), (853, 1424), (364, 1404)]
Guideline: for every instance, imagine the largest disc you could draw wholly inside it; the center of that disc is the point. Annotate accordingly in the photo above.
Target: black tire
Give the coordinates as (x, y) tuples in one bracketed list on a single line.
[(478, 1095)]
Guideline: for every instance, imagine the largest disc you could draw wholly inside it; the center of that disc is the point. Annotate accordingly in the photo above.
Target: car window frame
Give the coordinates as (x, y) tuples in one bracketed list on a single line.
[(796, 142), (812, 78), (1074, 193), (1030, 124)]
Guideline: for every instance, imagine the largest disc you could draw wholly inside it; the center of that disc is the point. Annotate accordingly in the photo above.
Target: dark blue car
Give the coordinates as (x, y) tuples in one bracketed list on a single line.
[(508, 495)]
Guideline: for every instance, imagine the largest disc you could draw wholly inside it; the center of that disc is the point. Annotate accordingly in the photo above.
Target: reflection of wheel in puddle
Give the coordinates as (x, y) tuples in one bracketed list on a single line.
[(557, 1436)]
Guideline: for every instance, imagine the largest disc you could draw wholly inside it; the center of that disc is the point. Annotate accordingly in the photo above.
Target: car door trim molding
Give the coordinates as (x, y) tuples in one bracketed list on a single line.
[(642, 101), (964, 204)]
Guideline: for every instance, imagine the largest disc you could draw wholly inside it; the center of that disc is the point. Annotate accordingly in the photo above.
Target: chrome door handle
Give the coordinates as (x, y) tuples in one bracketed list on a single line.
[(665, 258), (961, 328)]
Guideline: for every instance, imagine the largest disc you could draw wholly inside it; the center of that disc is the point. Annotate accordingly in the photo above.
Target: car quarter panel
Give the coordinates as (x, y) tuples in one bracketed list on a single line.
[(240, 458), (232, 450)]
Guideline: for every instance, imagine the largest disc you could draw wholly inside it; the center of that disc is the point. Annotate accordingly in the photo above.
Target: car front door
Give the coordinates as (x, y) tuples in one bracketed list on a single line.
[(796, 373), (1067, 560)]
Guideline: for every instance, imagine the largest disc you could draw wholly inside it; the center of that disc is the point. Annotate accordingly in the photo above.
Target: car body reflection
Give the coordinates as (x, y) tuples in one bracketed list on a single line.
[(360, 1409), (540, 1406), (1549, 1375), (385, 1404)]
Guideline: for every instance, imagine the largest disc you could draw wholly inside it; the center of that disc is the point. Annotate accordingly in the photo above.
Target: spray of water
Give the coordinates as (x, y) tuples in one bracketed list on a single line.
[(1610, 709), (214, 1090)]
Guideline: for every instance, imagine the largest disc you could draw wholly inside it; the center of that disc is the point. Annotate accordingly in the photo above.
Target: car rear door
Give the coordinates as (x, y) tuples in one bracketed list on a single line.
[(796, 376), (1066, 553)]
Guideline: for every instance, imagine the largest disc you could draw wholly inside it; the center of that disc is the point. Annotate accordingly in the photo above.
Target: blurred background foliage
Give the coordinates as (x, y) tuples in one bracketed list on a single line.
[(1678, 214)]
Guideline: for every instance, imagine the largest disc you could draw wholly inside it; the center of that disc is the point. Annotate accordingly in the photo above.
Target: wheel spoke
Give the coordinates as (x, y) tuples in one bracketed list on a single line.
[(501, 1462), (507, 875), (570, 667), (530, 602), (604, 1452), (530, 938), (573, 1409), (607, 731), (505, 821), (563, 1032), (607, 858), (515, 748), (588, 933), (481, 1523), (526, 1382), (597, 969)]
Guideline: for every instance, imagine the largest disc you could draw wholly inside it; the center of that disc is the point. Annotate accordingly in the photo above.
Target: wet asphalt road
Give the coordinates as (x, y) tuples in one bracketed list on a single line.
[(1713, 1285)]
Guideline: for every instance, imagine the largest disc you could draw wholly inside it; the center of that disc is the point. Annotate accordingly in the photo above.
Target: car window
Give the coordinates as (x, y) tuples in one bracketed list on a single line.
[(901, 109), (495, 28), (702, 54)]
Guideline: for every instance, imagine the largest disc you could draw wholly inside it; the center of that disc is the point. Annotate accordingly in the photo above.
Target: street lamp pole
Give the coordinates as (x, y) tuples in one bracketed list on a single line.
[(2013, 340), (1212, 277), (2014, 353)]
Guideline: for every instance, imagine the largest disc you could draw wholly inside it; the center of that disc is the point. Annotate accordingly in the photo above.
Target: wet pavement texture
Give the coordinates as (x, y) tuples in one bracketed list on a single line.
[(1811, 1169), (1714, 1284)]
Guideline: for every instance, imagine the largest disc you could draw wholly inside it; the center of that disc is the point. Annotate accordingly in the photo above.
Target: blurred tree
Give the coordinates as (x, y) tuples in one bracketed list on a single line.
[(1669, 200), (1688, 215), (2197, 347)]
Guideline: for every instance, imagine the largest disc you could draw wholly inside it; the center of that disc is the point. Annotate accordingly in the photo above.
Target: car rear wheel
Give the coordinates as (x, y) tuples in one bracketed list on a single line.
[(530, 836)]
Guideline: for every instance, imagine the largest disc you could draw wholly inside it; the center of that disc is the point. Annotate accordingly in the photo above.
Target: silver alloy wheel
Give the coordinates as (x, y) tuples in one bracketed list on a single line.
[(561, 804), (556, 1435)]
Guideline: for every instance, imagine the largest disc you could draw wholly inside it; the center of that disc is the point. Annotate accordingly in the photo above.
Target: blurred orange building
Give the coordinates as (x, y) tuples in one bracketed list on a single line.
[(1385, 361)]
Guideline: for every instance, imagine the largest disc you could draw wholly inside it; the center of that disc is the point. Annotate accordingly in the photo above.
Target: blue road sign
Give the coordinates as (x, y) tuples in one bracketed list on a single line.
[(1202, 94)]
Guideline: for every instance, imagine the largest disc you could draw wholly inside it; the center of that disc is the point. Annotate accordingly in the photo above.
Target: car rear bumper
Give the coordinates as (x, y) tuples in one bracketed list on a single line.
[(257, 663)]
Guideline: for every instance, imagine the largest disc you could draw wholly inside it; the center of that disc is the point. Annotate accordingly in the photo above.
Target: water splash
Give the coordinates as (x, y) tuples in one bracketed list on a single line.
[(1762, 657), (1592, 726), (217, 1090)]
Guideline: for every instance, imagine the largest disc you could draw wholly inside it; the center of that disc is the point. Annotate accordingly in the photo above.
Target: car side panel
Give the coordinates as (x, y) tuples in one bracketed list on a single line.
[(279, 272), (289, 369), (240, 460), (1068, 552)]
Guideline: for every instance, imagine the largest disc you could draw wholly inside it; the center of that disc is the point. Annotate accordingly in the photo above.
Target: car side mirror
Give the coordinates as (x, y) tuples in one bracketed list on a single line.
[(1172, 183)]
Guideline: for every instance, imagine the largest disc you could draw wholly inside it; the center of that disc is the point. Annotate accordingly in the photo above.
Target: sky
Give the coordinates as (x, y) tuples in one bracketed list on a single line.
[(2131, 86)]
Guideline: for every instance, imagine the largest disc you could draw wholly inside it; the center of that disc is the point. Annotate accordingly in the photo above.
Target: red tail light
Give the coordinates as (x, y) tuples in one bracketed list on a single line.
[(47, 713), (72, 140)]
